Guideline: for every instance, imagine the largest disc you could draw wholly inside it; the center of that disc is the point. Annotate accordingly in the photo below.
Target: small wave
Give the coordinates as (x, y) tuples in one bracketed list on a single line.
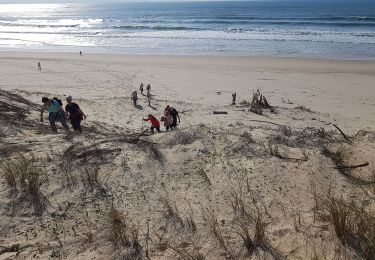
[(156, 28), (68, 23)]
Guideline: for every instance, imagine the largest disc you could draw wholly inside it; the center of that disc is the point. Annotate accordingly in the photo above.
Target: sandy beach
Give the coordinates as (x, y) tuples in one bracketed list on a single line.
[(342, 89), (186, 191)]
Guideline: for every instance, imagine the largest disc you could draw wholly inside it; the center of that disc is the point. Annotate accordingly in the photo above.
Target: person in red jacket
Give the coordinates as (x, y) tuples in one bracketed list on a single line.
[(155, 124)]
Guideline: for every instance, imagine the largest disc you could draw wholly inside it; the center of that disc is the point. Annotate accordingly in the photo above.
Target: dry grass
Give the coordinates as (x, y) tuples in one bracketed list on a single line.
[(153, 150), (170, 212), (184, 138), (252, 242), (340, 217), (123, 235), (353, 223), (214, 228), (90, 177), (68, 172), (118, 231), (23, 176), (339, 157), (22, 172), (286, 130)]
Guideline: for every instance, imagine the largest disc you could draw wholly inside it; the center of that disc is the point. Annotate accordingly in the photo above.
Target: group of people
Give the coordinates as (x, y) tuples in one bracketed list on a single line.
[(75, 115), (134, 95), (170, 120), (72, 113)]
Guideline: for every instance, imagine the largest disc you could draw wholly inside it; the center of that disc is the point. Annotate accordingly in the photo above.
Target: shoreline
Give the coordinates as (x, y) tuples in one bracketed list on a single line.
[(207, 55)]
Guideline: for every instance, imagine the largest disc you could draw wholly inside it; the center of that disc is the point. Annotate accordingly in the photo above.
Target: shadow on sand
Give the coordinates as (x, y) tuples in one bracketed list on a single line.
[(139, 107)]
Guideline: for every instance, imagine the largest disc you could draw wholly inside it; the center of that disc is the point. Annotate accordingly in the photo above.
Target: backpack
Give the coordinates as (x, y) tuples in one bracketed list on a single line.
[(58, 101)]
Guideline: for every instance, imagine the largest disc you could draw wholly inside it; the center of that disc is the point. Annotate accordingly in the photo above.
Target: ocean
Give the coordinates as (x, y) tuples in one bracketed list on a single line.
[(322, 29)]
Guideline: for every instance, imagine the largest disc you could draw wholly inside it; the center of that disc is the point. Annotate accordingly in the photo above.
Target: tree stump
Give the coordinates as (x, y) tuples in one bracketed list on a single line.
[(259, 103)]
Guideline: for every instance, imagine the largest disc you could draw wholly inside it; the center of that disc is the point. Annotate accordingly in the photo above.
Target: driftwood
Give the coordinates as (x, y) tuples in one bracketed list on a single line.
[(220, 112), (343, 134), (261, 121), (352, 166), (259, 103)]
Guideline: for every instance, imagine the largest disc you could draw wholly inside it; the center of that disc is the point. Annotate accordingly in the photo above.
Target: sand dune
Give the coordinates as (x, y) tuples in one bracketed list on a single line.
[(231, 186)]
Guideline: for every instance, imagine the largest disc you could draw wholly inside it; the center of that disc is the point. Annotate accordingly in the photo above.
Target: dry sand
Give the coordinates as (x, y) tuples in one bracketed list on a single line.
[(212, 164)]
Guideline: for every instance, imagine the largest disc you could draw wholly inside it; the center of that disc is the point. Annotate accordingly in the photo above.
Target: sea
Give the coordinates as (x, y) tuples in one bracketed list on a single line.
[(318, 29)]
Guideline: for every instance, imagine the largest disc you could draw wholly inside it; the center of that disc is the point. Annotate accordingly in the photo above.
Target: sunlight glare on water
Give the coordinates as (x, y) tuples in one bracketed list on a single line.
[(22, 10), (285, 28)]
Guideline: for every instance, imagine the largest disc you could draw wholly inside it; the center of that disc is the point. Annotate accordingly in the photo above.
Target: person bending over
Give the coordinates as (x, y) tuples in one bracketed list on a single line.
[(155, 124), (56, 113)]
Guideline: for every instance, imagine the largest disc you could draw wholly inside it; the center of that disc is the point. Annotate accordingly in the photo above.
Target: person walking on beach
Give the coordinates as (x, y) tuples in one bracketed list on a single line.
[(80, 53), (74, 114), (168, 120), (155, 124), (234, 96), (56, 113), (141, 88), (39, 66), (134, 97), (149, 98), (174, 114), (148, 88)]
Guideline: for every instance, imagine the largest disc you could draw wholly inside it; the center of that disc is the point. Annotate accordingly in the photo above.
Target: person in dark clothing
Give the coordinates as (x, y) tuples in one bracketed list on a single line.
[(149, 97), (234, 96), (74, 114), (174, 114), (141, 88), (134, 98), (155, 124)]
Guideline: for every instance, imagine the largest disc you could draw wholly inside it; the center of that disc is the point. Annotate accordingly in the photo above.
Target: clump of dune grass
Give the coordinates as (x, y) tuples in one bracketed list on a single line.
[(339, 157), (118, 228), (153, 150), (353, 223), (217, 232), (22, 175), (252, 242), (184, 137), (123, 235), (170, 212), (91, 181)]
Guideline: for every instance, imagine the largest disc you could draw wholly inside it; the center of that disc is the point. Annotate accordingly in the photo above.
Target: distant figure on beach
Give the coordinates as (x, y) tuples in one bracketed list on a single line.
[(168, 120), (155, 124), (134, 97), (148, 88), (39, 66), (149, 99), (175, 115), (56, 113), (80, 53), (141, 88), (74, 114), (234, 95)]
